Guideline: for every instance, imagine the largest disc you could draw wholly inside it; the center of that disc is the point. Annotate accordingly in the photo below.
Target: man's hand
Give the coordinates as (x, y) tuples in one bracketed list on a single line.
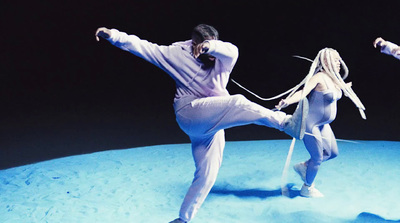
[(103, 33), (379, 42), (201, 49)]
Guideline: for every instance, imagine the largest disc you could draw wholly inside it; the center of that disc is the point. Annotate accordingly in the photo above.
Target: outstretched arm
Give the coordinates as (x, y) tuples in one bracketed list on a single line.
[(151, 52), (288, 101), (387, 47), (317, 83), (313, 83)]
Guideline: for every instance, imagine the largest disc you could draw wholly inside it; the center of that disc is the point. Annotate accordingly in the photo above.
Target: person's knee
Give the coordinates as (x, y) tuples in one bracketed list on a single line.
[(316, 161), (206, 179), (207, 172), (238, 98)]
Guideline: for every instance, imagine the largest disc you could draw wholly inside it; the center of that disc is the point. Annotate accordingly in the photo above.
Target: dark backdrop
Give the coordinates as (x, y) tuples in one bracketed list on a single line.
[(63, 93)]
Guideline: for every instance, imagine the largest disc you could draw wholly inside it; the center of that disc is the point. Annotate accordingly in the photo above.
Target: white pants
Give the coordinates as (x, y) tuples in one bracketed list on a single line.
[(204, 121)]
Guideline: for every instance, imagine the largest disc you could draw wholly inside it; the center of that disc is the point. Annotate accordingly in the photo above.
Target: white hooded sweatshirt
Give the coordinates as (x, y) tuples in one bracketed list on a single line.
[(193, 79)]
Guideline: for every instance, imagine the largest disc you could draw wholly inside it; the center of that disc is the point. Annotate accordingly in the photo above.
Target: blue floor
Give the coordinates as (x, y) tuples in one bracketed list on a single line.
[(147, 184)]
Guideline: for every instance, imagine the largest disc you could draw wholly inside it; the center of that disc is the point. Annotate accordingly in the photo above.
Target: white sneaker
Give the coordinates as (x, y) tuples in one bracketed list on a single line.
[(301, 169), (310, 191), (178, 220)]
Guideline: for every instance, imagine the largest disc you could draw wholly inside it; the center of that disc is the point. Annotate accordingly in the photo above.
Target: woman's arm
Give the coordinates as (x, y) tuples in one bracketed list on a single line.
[(313, 83)]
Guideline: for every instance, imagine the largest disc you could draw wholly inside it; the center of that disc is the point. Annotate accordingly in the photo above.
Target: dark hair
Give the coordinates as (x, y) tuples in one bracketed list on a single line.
[(202, 32)]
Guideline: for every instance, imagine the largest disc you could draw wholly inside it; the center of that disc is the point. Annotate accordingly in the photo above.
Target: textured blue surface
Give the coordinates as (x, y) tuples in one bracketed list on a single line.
[(147, 184)]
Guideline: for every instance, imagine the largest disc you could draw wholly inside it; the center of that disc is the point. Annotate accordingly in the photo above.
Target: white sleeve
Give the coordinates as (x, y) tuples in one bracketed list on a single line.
[(151, 52), (224, 51), (389, 49)]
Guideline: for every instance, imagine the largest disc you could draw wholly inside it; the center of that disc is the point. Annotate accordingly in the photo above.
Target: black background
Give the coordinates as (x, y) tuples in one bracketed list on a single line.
[(63, 93)]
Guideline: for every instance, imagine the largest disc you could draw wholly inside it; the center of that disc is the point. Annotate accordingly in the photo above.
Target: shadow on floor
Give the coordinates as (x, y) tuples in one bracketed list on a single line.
[(370, 218), (259, 193)]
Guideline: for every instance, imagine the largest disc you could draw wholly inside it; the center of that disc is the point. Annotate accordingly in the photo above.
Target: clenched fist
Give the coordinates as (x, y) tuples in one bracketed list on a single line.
[(103, 33)]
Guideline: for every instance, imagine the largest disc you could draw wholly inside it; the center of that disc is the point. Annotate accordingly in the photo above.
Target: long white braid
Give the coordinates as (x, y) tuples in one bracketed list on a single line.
[(290, 91), (315, 68)]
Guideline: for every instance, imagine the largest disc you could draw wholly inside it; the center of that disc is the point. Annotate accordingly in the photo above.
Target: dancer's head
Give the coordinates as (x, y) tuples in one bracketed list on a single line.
[(201, 33), (204, 32), (330, 61)]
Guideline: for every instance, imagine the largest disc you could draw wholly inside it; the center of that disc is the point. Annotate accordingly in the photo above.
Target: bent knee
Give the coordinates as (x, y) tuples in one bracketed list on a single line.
[(206, 179), (207, 172), (238, 98), (316, 161)]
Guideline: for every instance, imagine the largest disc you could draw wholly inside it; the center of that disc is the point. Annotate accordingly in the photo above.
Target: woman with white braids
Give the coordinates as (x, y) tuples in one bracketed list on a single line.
[(387, 47), (323, 86), (203, 106)]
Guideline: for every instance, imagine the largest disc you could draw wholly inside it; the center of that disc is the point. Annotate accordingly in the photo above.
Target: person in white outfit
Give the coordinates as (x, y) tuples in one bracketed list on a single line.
[(200, 68), (387, 47)]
